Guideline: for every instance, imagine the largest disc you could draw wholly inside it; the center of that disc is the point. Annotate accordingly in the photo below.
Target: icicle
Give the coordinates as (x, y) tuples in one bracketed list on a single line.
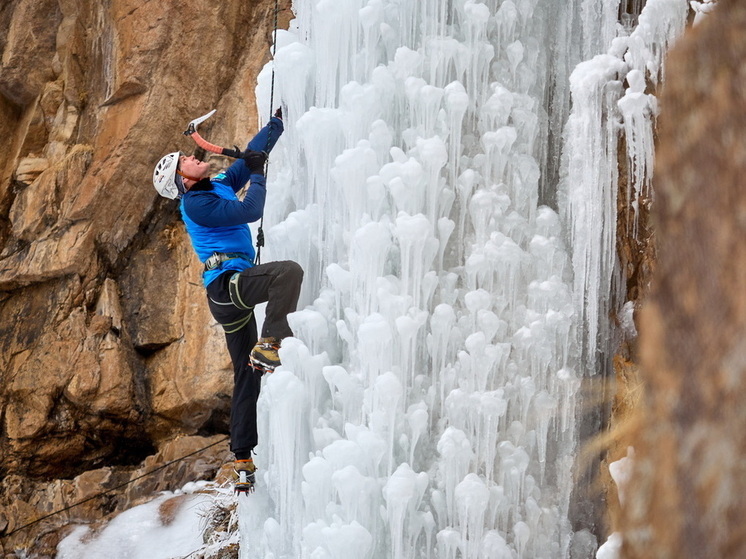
[(472, 498), (592, 196), (417, 417), (369, 251), (638, 110), (457, 103), (347, 390), (317, 486), (286, 440), (418, 248), (449, 543), (388, 392), (348, 541), (403, 493), (457, 454), (522, 534), (495, 547), (545, 406)]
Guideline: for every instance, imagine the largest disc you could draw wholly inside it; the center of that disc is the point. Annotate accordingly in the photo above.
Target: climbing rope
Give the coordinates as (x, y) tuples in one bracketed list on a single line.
[(260, 232), (146, 474)]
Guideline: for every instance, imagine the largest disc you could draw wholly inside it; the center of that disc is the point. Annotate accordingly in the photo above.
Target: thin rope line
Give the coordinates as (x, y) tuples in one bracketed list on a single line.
[(260, 232), (112, 489)]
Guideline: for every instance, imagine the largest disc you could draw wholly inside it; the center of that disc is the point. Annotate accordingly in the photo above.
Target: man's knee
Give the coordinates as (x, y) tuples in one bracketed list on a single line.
[(293, 270)]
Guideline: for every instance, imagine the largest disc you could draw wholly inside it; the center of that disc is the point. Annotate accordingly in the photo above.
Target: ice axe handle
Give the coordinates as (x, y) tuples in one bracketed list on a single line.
[(191, 130)]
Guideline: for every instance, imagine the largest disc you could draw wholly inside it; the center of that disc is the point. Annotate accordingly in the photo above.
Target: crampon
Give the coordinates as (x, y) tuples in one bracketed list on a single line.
[(244, 476), (244, 485), (262, 368)]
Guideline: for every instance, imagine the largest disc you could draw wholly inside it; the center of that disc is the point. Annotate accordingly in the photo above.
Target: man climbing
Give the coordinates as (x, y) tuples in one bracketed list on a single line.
[(217, 223)]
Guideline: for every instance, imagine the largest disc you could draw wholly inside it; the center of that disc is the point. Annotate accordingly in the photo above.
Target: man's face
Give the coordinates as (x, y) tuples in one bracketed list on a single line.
[(193, 167)]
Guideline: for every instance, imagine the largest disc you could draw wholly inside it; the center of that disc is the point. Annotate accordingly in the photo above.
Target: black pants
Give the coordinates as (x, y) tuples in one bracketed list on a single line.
[(278, 284)]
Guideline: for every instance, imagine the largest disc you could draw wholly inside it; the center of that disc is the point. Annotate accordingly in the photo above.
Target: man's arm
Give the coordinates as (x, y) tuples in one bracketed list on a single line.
[(210, 210), (237, 175), (267, 137)]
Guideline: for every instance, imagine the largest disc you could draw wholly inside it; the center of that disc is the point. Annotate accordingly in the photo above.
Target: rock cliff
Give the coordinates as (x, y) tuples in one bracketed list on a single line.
[(108, 353)]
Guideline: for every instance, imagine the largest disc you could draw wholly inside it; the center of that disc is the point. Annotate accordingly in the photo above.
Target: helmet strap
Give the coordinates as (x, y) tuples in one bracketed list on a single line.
[(195, 179)]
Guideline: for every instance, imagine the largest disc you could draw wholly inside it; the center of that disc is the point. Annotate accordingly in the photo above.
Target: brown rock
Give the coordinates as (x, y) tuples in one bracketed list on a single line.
[(61, 254), (190, 383), (30, 215), (156, 290), (30, 39), (687, 493), (191, 393), (31, 167), (107, 347), (200, 464)]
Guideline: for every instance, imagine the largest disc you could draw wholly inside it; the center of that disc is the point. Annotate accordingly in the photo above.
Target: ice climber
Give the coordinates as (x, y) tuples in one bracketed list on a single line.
[(217, 223)]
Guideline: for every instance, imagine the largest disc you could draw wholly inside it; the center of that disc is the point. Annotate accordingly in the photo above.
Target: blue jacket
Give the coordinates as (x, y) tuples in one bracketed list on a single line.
[(216, 220)]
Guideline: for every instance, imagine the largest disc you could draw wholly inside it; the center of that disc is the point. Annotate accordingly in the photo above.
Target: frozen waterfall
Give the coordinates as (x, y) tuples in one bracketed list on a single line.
[(459, 264)]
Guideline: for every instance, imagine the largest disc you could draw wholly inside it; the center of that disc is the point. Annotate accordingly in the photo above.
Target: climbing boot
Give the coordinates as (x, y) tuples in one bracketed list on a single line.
[(264, 356), (243, 474)]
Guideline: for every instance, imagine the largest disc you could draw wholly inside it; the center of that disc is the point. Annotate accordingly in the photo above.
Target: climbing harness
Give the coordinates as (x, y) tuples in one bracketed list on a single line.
[(233, 327), (236, 301), (235, 294), (218, 258)]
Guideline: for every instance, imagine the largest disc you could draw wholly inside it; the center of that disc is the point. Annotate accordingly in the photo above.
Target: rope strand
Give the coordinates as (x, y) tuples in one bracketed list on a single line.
[(260, 232), (67, 508)]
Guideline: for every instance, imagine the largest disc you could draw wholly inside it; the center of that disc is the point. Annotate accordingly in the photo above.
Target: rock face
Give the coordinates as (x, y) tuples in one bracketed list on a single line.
[(107, 347), (686, 495)]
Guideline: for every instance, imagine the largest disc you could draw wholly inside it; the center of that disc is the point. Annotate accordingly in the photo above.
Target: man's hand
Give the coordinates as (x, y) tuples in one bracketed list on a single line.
[(255, 161), (278, 113), (235, 152)]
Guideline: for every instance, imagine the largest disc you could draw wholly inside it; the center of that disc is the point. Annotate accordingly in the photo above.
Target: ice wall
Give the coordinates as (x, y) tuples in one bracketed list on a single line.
[(427, 405), (610, 98)]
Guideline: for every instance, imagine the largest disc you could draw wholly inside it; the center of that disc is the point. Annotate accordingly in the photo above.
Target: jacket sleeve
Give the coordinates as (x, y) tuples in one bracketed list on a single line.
[(237, 175), (210, 210), (267, 137)]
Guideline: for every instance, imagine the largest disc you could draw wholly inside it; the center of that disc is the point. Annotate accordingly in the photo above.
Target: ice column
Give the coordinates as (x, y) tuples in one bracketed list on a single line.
[(590, 152)]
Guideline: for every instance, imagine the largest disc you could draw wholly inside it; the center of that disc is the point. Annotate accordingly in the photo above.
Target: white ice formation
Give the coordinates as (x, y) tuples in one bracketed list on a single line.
[(456, 222)]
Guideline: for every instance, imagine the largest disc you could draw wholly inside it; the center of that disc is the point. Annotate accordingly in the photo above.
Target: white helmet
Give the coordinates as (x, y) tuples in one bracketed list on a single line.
[(165, 177)]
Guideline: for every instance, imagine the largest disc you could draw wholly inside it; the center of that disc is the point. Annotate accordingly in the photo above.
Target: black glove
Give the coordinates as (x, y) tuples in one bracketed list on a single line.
[(235, 153), (278, 113), (255, 161)]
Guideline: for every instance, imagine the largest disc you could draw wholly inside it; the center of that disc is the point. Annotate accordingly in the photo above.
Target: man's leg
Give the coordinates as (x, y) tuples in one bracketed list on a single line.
[(246, 383), (246, 387), (278, 284)]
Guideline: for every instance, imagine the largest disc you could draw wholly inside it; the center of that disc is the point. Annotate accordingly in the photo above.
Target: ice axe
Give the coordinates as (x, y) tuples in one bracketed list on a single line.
[(201, 142)]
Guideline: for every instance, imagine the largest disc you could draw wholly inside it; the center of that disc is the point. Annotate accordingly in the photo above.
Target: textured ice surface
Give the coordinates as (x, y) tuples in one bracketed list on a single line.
[(455, 290)]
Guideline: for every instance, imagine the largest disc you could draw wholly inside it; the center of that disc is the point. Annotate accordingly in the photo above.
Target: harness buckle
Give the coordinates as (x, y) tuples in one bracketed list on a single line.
[(217, 258)]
